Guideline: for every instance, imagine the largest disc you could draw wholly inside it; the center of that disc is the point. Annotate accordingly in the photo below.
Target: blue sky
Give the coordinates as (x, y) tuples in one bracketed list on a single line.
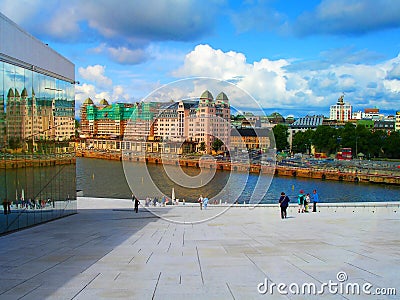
[(294, 57)]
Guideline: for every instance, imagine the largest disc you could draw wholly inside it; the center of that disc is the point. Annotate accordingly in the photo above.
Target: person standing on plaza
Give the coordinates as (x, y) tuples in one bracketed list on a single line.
[(135, 203), (284, 203), (315, 200), (307, 200), (5, 206)]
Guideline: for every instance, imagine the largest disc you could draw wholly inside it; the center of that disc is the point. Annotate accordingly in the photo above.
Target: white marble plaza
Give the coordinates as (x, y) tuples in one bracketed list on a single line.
[(107, 251)]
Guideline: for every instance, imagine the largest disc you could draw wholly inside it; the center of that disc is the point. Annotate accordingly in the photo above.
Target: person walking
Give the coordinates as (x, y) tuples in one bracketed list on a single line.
[(205, 202), (135, 203), (315, 200), (300, 201), (284, 203), (200, 200)]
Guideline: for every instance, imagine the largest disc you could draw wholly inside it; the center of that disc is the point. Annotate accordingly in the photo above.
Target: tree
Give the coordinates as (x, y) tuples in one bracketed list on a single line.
[(391, 145), (375, 144), (202, 146), (302, 141), (281, 137), (217, 144), (326, 139)]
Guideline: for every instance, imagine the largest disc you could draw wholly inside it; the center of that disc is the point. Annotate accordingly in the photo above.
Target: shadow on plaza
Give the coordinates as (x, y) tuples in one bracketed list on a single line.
[(42, 259)]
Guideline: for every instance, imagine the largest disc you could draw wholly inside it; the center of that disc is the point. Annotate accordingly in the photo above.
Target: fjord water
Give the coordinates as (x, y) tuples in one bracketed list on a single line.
[(106, 179)]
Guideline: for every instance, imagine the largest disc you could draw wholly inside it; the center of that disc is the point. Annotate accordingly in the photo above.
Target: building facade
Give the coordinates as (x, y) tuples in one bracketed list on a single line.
[(341, 112), (161, 127), (254, 139), (37, 127)]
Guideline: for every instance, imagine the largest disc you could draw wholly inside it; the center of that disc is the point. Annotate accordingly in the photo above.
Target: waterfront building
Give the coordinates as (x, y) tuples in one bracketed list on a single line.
[(250, 139), (397, 124), (195, 123), (37, 126), (341, 112), (183, 126), (104, 120)]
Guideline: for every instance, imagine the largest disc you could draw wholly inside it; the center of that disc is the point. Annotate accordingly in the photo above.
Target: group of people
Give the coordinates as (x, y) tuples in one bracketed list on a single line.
[(27, 204), (154, 202), (203, 202), (303, 201)]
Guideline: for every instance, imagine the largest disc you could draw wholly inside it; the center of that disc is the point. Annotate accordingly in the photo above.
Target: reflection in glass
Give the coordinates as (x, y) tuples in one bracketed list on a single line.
[(37, 160)]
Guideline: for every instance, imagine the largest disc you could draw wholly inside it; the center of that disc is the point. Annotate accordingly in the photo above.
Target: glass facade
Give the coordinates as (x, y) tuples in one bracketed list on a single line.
[(37, 158)]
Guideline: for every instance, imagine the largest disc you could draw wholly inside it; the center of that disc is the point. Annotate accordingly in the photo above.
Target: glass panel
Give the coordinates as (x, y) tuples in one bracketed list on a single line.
[(37, 160)]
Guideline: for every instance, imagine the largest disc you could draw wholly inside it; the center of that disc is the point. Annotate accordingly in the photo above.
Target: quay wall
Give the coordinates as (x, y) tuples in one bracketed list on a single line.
[(17, 163), (349, 175)]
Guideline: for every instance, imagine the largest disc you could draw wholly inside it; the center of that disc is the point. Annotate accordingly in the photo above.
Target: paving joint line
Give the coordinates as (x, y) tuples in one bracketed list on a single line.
[(26, 280), (198, 260), (304, 271), (155, 288), (361, 254), (149, 257), (230, 291), (34, 289), (86, 285), (363, 269)]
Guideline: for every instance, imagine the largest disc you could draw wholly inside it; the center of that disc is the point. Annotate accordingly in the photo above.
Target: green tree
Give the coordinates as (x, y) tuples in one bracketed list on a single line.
[(391, 145), (281, 137), (375, 144), (202, 146), (217, 144), (302, 141), (326, 139), (357, 138)]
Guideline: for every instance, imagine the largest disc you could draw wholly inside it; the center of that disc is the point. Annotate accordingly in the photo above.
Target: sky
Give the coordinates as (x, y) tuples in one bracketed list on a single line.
[(293, 57)]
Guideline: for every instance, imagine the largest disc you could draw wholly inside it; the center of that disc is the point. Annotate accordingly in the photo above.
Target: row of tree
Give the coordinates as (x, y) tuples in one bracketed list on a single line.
[(372, 144)]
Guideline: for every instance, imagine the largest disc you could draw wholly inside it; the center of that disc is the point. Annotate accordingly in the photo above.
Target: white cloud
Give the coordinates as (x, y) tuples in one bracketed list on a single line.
[(95, 74), (124, 55), (280, 84)]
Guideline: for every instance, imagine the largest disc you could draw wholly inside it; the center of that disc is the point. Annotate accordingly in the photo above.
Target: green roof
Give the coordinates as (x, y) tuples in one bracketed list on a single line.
[(206, 95), (222, 97)]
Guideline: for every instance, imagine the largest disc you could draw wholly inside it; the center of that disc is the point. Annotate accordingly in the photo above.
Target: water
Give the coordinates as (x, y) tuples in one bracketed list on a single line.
[(104, 178)]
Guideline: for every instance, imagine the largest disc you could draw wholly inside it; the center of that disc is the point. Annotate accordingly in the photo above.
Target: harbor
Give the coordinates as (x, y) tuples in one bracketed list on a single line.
[(94, 179), (345, 173)]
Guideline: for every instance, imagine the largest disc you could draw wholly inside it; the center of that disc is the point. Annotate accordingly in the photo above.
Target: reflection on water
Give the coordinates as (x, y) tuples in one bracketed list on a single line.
[(103, 178)]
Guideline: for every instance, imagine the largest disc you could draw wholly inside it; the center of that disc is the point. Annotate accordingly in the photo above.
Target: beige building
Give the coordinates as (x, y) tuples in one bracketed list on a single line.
[(183, 126), (341, 112), (33, 119)]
